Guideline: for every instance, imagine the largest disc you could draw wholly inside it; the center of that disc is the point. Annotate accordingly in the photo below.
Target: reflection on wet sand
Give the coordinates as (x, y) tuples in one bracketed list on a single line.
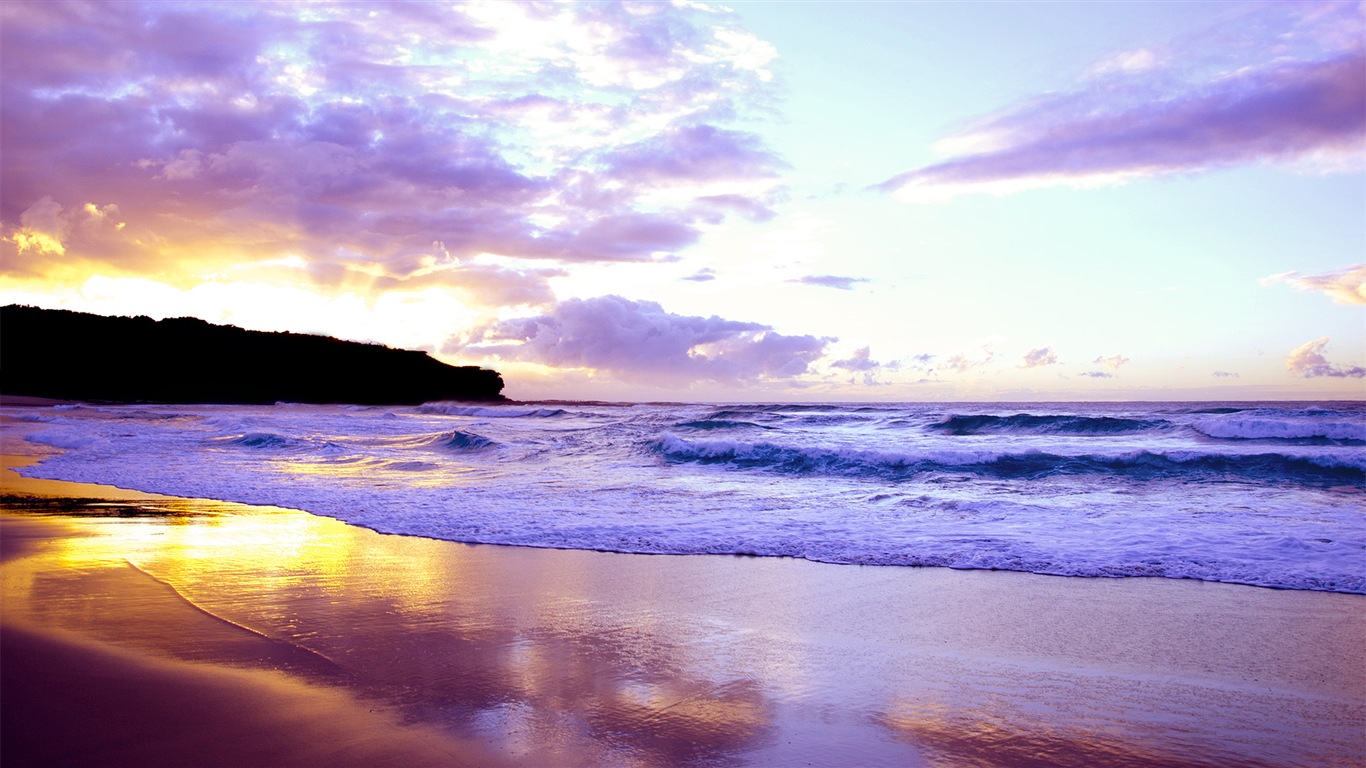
[(966, 739), (507, 658), (584, 658)]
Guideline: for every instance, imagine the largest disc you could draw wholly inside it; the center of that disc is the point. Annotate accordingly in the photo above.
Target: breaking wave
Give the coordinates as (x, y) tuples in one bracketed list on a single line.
[(271, 442), (268, 440), (463, 441), (1133, 465), (1025, 423), (710, 423), (1341, 432)]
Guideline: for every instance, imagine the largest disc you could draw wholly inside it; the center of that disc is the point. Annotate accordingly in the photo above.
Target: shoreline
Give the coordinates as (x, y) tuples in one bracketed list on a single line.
[(543, 656)]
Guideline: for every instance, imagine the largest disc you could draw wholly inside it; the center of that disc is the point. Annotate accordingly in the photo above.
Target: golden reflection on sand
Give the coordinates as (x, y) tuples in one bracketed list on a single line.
[(389, 618)]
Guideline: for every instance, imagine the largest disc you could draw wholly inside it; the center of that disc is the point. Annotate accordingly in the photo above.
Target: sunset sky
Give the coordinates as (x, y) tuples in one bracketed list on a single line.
[(690, 201)]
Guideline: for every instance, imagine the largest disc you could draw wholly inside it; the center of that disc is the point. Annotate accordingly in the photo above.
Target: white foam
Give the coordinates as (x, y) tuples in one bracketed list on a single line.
[(70, 437), (1280, 429)]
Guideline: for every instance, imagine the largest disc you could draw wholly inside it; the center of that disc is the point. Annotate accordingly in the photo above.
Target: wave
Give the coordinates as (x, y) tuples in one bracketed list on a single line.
[(488, 412), (829, 419), (736, 412), (463, 441), (811, 415), (62, 438), (1327, 469), (709, 423), (1340, 432), (263, 440), (1025, 423), (277, 443)]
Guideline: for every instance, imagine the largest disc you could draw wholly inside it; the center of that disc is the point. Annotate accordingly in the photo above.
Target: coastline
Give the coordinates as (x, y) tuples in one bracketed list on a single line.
[(535, 657)]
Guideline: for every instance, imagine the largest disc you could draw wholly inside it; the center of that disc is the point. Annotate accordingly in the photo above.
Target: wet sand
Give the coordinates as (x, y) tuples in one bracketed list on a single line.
[(146, 630)]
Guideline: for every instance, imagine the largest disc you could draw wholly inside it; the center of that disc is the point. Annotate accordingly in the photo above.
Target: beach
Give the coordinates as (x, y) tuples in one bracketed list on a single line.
[(154, 630)]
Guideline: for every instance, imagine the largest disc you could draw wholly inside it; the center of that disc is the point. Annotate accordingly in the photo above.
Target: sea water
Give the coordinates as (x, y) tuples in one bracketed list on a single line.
[(1268, 494)]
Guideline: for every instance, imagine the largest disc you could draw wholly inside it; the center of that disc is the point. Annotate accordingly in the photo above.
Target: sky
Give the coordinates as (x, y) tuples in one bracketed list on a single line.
[(795, 201)]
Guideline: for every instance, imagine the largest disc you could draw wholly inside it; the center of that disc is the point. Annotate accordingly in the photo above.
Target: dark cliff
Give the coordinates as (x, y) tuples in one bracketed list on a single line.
[(78, 356)]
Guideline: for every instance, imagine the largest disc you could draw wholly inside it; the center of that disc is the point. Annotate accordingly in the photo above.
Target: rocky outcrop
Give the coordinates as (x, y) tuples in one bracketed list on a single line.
[(79, 356)]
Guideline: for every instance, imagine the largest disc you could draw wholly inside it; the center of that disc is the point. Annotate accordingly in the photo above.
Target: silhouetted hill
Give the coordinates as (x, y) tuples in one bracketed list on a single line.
[(79, 356)]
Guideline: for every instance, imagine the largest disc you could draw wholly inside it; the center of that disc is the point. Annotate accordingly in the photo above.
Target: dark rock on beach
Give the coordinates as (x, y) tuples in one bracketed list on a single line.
[(79, 356)]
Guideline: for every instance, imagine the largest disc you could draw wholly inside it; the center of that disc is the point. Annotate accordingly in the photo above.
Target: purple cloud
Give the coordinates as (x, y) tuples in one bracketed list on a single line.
[(1097, 374), (637, 341), (713, 208), (861, 360), (1037, 358), (1224, 375), (1308, 361), (695, 153), (830, 281), (1112, 363), (378, 142), (1135, 121), (1344, 286), (704, 275)]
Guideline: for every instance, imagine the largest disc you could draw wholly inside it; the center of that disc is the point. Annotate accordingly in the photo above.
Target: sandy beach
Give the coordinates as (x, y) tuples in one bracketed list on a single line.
[(151, 630)]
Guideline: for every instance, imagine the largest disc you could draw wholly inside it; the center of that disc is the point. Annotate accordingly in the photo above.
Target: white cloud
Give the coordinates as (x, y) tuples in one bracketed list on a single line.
[(1308, 361), (861, 360), (1037, 358), (978, 355), (1132, 118), (355, 136), (1140, 60), (1344, 286), (1111, 363), (638, 341)]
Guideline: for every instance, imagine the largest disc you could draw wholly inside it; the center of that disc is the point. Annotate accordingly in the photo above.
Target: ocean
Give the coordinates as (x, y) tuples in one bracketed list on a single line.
[(1266, 494)]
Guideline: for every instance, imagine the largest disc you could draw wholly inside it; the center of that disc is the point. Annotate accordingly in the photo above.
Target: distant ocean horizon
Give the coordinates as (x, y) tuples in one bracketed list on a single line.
[(1267, 493)]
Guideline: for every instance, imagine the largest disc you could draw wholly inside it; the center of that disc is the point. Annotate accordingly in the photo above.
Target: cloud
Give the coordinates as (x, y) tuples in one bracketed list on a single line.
[(1135, 119), (861, 360), (1308, 361), (697, 153), (830, 281), (713, 208), (978, 355), (703, 275), (1037, 358), (1097, 374), (637, 341), (1224, 375), (1111, 363), (964, 363), (865, 368), (1344, 286), (1141, 60), (356, 136), (42, 228)]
